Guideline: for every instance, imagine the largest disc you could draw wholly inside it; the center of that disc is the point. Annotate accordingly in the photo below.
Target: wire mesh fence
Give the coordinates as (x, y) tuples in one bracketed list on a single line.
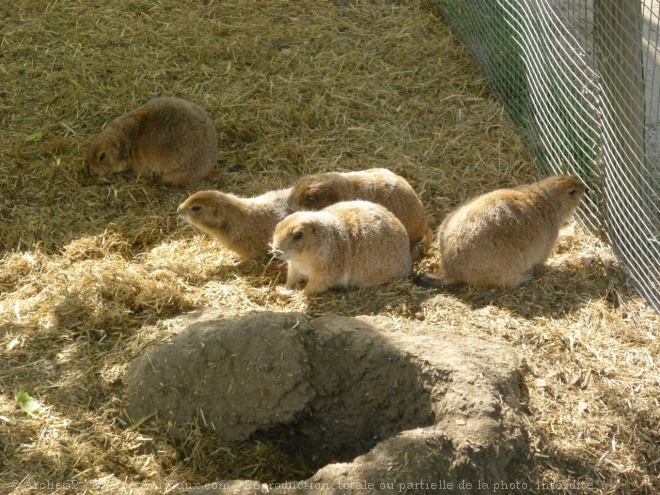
[(582, 79)]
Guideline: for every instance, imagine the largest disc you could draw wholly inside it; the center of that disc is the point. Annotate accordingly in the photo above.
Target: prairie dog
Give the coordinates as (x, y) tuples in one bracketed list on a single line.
[(493, 240), (242, 225), (351, 243), (378, 185), (167, 138)]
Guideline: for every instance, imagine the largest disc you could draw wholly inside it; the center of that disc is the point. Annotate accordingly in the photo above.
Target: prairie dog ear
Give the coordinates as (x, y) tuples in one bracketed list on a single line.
[(330, 195), (319, 195), (121, 149)]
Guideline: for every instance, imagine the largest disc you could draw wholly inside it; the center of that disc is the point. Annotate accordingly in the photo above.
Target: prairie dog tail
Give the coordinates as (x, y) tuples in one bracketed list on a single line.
[(429, 280)]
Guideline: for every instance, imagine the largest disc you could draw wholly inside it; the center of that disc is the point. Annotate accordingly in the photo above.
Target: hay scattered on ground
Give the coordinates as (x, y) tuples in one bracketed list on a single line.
[(91, 268)]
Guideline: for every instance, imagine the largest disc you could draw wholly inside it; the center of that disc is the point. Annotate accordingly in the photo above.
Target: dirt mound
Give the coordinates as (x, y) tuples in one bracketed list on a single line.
[(242, 376), (384, 409)]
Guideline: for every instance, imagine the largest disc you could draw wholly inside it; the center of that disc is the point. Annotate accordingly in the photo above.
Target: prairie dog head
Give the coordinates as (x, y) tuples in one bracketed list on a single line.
[(315, 192), (206, 210), (107, 154), (298, 235), (566, 191)]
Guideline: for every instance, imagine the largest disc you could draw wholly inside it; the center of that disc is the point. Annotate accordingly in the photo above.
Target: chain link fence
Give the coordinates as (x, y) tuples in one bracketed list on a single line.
[(582, 79)]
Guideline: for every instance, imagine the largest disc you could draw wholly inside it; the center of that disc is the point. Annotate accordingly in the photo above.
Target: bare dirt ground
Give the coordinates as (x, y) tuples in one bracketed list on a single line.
[(374, 403), (92, 270)]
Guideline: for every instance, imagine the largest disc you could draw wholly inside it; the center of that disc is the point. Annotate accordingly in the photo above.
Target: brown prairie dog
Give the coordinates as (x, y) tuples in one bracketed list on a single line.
[(378, 185), (348, 244), (242, 225), (494, 240), (168, 139)]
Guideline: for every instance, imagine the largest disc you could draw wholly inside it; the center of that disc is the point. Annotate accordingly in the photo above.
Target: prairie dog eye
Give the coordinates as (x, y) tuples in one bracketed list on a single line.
[(196, 208), (102, 156), (297, 236), (311, 200), (572, 192)]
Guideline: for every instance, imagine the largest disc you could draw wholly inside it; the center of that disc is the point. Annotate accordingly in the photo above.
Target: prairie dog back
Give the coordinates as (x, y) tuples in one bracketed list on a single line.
[(167, 139), (377, 185), (348, 244), (493, 240)]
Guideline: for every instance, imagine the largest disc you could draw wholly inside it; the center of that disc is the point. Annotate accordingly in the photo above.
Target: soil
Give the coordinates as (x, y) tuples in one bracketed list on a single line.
[(376, 405)]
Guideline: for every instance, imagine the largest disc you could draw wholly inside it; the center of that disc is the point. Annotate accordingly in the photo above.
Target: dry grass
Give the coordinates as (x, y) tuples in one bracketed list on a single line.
[(91, 269)]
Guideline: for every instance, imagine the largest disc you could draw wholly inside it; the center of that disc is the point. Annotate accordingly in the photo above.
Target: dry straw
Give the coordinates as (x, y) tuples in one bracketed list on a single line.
[(91, 269)]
